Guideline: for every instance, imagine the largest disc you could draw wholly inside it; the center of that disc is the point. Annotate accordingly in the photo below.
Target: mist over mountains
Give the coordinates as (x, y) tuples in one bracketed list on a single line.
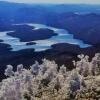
[(81, 20)]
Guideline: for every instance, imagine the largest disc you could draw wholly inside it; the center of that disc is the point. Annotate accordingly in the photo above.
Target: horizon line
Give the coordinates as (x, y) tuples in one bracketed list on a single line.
[(51, 3)]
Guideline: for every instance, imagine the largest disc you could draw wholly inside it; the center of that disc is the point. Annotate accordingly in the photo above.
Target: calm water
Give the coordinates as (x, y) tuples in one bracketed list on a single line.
[(41, 45)]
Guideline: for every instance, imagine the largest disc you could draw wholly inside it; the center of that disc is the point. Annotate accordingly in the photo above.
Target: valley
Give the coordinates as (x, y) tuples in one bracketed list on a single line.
[(56, 32)]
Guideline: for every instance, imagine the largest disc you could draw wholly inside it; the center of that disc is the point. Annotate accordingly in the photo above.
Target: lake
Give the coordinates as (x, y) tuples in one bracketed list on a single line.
[(62, 36)]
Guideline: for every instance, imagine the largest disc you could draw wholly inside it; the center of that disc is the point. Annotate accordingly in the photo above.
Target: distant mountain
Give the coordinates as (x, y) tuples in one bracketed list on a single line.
[(16, 12), (85, 27), (81, 20)]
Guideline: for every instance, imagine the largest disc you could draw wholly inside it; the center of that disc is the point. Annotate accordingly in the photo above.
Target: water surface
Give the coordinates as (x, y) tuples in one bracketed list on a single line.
[(62, 37)]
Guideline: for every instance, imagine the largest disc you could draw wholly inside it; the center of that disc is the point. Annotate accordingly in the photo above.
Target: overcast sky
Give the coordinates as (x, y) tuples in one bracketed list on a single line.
[(56, 1)]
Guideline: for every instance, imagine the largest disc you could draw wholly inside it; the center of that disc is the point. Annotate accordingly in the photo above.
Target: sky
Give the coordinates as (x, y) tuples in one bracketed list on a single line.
[(57, 1)]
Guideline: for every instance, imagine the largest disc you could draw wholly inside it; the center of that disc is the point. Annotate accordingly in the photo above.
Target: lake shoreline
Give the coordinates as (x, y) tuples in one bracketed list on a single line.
[(42, 35)]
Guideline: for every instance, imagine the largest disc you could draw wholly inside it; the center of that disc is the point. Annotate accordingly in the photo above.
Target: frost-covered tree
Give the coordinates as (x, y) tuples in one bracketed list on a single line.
[(9, 70), (20, 68), (96, 63), (35, 68), (45, 81)]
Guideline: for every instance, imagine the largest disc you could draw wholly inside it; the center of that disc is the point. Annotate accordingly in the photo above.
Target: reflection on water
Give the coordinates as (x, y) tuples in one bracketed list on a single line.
[(62, 37)]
